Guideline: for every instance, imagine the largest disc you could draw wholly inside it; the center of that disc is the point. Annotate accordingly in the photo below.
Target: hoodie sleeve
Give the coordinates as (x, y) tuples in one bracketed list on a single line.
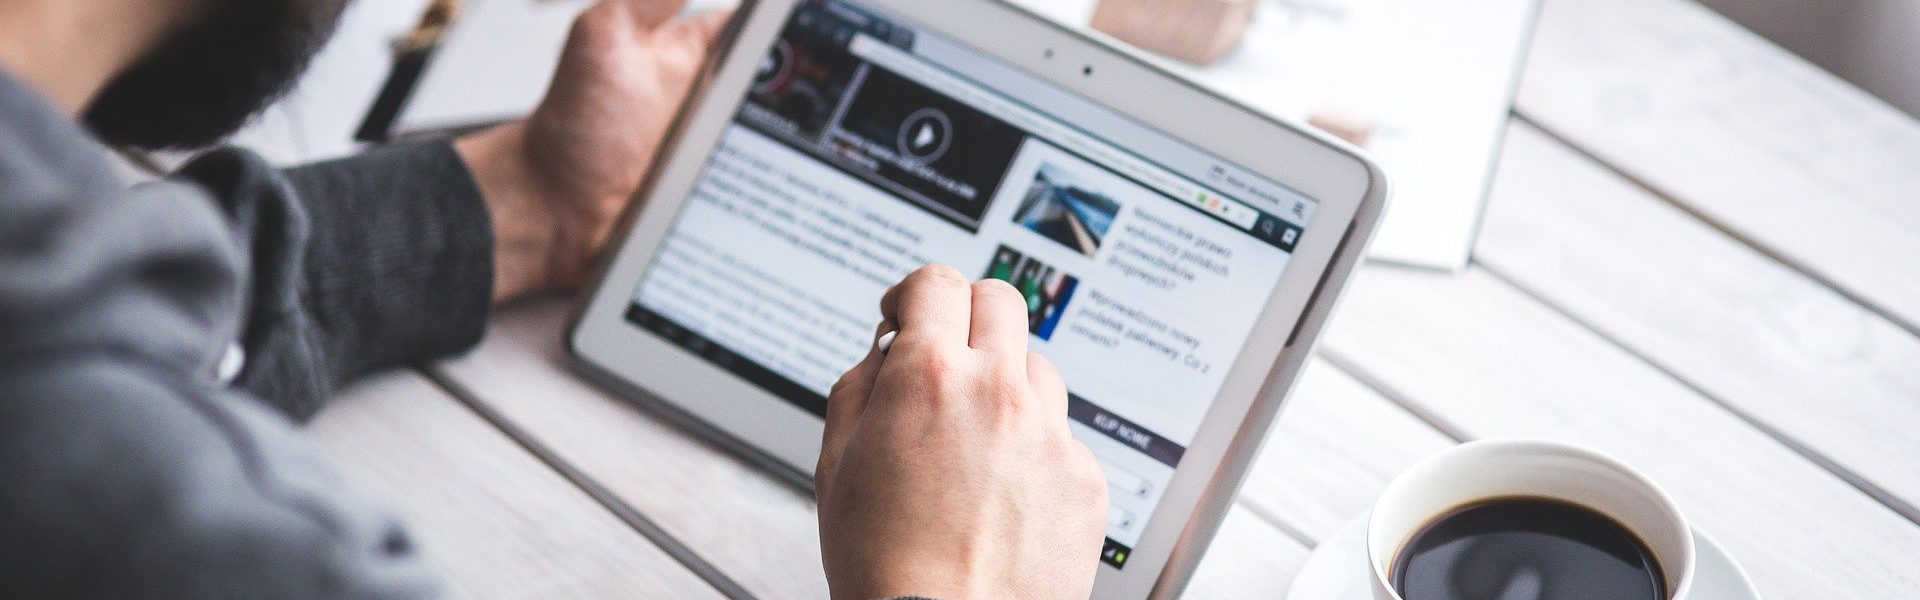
[(356, 265), (400, 264)]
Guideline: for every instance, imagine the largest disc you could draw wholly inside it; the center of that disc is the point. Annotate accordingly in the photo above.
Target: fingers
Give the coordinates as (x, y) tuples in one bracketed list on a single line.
[(1049, 388), (932, 307), (690, 39), (999, 319), (695, 34), (845, 405), (651, 14), (706, 26)]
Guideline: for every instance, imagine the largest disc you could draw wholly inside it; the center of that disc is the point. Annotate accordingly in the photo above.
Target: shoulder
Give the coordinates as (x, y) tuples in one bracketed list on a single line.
[(87, 262), (48, 163)]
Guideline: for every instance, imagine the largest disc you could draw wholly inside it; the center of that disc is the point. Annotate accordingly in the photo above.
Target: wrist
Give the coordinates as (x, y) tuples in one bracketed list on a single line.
[(946, 578), (526, 234)]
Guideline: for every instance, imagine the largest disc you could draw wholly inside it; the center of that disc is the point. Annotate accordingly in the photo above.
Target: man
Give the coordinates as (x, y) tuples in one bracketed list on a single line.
[(157, 341)]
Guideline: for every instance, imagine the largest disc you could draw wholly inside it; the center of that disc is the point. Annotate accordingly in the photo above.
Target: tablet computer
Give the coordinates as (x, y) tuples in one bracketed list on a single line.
[(1179, 253)]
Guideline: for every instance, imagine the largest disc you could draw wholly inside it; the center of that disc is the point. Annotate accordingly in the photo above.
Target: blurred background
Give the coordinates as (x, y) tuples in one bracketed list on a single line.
[(1873, 43)]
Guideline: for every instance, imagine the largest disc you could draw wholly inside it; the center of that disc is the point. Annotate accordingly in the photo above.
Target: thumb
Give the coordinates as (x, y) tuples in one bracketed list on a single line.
[(845, 405)]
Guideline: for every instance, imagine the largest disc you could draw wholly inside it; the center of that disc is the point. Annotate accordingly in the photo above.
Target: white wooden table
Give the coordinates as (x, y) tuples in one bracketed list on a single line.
[(1702, 256)]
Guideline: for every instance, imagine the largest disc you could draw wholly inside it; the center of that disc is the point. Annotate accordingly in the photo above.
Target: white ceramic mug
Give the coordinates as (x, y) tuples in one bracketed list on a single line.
[(1487, 470)]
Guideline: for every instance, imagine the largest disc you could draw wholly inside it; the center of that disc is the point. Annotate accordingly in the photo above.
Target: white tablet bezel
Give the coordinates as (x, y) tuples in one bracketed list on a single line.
[(1350, 189)]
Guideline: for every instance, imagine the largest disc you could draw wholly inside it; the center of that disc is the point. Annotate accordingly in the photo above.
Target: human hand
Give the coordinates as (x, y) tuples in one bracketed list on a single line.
[(947, 469), (556, 181)]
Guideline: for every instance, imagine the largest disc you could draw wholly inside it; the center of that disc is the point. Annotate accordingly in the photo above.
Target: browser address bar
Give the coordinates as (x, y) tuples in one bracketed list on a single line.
[(892, 58)]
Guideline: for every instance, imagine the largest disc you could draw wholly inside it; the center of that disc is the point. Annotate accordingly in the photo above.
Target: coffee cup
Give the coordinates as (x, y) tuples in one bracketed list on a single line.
[(1471, 481)]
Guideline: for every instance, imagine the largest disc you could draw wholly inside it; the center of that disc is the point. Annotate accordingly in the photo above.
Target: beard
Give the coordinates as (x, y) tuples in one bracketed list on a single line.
[(207, 78)]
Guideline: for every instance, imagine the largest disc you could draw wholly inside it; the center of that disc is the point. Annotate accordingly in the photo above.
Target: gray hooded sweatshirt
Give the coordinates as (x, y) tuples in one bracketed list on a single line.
[(158, 344)]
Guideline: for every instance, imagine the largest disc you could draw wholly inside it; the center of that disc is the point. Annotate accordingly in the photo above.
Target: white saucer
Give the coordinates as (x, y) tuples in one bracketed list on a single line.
[(1338, 570)]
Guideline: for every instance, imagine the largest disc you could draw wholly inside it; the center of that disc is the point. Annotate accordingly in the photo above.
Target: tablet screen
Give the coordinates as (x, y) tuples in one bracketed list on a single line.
[(866, 148)]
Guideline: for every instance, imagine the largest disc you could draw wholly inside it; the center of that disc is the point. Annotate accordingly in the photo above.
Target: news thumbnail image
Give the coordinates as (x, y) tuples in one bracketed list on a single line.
[(944, 152), (1047, 290), (1062, 210), (809, 69)]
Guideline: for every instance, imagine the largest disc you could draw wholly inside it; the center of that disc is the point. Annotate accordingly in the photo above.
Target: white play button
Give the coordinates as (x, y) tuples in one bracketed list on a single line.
[(923, 140), (925, 135)]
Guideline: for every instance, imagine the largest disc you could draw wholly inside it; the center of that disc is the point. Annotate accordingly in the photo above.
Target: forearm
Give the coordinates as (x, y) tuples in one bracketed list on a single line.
[(525, 232)]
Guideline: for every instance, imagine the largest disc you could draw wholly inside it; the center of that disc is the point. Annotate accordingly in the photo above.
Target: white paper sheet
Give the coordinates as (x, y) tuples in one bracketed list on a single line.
[(1436, 78), (493, 64)]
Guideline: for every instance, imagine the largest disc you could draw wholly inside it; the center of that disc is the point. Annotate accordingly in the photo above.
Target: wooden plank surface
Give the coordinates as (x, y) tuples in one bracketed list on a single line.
[(1335, 446), (497, 521), (1737, 130), (1250, 559), (1478, 357), (1839, 381), (761, 533)]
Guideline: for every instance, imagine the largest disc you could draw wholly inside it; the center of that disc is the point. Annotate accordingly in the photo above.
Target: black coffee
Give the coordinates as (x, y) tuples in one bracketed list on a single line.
[(1526, 549)]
